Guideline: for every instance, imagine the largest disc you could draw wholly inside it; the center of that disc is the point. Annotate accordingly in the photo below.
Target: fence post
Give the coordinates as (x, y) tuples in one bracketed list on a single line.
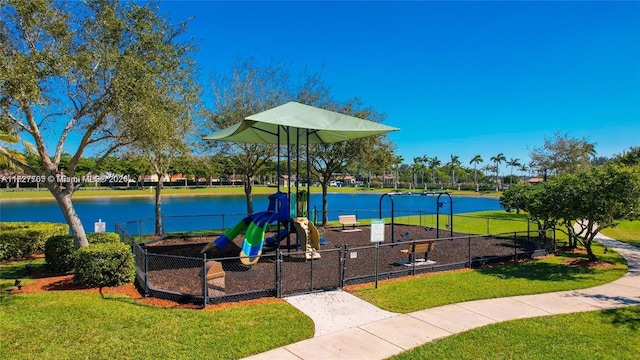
[(469, 248), (515, 246), (205, 291), (488, 227), (528, 229), (140, 230), (412, 256), (311, 274), (343, 258), (278, 273), (146, 273)]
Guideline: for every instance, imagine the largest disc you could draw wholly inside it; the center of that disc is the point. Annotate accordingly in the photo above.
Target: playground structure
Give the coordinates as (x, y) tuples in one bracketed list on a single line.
[(255, 226), (290, 123), (439, 205)]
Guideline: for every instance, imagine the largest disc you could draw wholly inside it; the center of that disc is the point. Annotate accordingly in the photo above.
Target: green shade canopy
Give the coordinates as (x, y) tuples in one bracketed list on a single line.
[(301, 122)]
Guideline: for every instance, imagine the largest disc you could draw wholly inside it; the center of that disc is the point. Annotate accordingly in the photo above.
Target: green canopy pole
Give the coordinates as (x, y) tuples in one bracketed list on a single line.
[(308, 179)]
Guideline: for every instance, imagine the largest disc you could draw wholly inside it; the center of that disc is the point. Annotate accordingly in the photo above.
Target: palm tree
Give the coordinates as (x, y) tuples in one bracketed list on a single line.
[(497, 160), (10, 159), (513, 163), (424, 161), (453, 164), (523, 169), (396, 162), (417, 166), (475, 161), (434, 163)]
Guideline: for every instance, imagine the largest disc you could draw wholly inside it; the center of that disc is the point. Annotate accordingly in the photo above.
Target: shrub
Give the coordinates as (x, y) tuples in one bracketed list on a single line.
[(103, 238), (109, 264), (60, 251), (21, 239)]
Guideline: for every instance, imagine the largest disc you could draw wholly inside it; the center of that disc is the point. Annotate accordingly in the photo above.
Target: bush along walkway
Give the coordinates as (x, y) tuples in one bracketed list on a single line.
[(342, 332)]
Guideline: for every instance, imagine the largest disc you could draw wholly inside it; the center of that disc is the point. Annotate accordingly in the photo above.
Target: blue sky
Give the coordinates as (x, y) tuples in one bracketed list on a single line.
[(459, 78)]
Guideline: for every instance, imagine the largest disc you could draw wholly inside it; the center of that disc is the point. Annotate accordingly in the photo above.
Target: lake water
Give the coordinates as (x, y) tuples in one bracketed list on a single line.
[(180, 210)]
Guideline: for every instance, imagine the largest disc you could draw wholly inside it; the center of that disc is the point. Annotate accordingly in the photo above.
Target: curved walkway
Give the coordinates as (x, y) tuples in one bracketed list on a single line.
[(349, 328)]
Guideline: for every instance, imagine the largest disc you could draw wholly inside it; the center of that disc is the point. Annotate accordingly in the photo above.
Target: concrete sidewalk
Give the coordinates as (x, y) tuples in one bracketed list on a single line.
[(349, 328)]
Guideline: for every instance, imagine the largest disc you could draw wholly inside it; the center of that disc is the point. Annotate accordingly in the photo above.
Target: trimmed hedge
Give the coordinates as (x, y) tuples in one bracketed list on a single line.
[(109, 264), (60, 251), (22, 239)]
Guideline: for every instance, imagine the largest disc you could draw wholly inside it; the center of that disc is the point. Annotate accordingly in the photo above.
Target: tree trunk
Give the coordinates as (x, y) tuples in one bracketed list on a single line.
[(587, 244), (159, 206), (68, 211), (325, 204), (248, 186)]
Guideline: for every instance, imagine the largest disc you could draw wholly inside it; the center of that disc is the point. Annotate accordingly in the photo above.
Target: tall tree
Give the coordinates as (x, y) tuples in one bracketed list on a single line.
[(513, 163), (424, 161), (434, 164), (84, 70), (417, 167), (585, 202), (475, 161), (523, 169), (629, 157), (563, 154), (453, 165), (497, 160), (397, 161)]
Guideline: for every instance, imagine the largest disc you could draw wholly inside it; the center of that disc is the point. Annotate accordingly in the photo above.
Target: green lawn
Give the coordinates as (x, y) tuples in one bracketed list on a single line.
[(626, 231), (531, 277), (80, 325), (606, 334)]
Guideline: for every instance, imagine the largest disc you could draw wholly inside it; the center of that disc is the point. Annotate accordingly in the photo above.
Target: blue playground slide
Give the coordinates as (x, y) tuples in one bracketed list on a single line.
[(255, 226)]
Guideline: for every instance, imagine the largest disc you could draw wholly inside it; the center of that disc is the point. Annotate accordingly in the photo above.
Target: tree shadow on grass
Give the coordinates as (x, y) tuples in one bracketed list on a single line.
[(537, 271), (627, 317)]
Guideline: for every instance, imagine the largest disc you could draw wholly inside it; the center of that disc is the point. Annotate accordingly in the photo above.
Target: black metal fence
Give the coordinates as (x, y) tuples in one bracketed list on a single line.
[(205, 281)]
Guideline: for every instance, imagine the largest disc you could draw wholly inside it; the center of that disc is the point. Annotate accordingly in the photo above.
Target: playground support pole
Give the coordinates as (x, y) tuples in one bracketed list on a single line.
[(308, 178)]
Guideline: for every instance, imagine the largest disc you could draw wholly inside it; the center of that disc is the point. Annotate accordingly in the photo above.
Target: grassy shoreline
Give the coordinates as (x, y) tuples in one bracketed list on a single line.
[(90, 193)]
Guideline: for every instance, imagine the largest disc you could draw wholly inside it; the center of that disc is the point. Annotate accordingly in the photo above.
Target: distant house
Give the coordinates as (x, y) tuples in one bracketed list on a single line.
[(154, 178), (535, 180), (349, 180)]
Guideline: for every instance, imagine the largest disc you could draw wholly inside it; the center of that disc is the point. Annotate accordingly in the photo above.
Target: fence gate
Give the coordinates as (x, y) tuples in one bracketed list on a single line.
[(299, 275)]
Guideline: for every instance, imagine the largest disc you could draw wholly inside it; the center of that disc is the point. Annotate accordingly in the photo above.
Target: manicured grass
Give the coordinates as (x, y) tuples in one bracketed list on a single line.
[(531, 277), (83, 325), (9, 271), (80, 325), (481, 222), (606, 334), (626, 231)]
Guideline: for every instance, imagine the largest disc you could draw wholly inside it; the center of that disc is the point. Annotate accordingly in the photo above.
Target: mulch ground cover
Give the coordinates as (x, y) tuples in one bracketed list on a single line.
[(183, 274)]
